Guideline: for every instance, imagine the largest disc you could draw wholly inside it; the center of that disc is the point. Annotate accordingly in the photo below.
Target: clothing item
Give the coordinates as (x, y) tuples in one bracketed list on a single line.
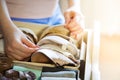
[(56, 19), (39, 11), (31, 8), (56, 78), (57, 47), (65, 74)]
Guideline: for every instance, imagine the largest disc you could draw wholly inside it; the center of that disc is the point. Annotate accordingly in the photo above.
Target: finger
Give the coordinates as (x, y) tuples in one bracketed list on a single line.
[(14, 50), (19, 49), (28, 43), (77, 28), (71, 25), (76, 34), (25, 49), (78, 31), (15, 57), (16, 53), (21, 53), (11, 57), (67, 17)]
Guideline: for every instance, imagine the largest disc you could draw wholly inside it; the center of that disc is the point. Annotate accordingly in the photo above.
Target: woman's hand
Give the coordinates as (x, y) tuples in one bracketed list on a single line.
[(74, 22), (17, 46)]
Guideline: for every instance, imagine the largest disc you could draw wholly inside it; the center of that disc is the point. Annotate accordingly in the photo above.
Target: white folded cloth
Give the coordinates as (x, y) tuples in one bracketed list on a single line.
[(56, 78), (66, 74)]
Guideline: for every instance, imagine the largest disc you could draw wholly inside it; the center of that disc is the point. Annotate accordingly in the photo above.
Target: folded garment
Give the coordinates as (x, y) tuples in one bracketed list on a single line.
[(58, 50), (58, 58), (30, 34), (56, 46), (66, 74), (65, 45), (57, 78), (59, 29)]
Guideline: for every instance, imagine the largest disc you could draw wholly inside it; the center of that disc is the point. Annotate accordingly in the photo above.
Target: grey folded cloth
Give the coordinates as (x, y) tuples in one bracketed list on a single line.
[(56, 78), (67, 74)]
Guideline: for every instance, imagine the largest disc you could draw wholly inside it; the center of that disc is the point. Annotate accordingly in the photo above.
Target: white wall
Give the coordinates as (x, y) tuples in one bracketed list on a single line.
[(107, 12)]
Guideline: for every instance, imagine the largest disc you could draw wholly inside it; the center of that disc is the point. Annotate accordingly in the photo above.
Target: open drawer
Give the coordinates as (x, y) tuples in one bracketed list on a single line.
[(83, 72)]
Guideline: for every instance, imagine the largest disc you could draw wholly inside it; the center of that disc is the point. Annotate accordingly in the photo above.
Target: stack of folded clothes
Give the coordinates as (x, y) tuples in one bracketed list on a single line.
[(56, 47)]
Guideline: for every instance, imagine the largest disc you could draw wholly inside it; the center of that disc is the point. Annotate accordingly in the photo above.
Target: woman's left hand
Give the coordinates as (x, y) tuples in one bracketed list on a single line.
[(74, 21)]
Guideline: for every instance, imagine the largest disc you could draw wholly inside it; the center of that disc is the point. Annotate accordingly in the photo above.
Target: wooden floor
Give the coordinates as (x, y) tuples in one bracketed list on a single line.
[(110, 57)]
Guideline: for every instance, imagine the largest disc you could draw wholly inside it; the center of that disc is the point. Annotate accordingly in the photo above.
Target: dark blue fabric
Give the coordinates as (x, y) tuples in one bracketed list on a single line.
[(56, 19)]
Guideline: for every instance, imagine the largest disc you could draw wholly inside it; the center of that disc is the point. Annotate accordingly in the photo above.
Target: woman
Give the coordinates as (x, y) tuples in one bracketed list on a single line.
[(16, 45)]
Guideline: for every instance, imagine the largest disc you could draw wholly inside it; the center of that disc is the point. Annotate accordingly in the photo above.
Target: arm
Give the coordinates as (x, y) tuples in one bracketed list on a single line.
[(74, 19), (75, 4), (4, 16), (16, 44)]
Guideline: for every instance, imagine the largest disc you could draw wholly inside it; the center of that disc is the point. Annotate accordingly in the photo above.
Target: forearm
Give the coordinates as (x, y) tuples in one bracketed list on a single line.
[(74, 4), (5, 22)]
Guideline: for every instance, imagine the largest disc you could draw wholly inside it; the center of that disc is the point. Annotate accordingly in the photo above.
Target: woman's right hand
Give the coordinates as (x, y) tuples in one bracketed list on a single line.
[(17, 46)]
